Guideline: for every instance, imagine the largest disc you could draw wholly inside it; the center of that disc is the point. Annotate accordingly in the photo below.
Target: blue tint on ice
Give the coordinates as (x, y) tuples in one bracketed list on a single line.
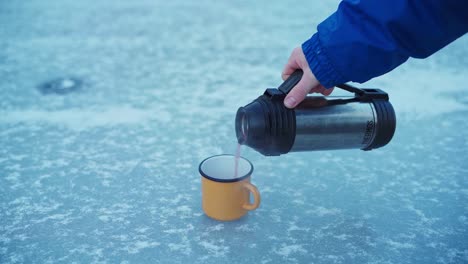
[(108, 173)]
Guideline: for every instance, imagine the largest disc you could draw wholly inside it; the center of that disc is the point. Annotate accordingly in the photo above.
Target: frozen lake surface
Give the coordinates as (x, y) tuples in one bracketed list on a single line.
[(108, 107)]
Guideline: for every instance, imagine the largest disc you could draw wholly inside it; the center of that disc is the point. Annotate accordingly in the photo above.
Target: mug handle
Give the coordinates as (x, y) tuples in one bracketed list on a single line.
[(251, 188)]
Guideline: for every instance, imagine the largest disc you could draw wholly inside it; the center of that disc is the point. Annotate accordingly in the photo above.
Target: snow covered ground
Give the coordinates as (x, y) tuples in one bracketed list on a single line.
[(105, 170)]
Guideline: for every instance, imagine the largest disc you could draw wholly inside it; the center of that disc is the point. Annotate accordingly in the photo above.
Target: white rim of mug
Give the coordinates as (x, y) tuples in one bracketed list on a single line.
[(226, 180)]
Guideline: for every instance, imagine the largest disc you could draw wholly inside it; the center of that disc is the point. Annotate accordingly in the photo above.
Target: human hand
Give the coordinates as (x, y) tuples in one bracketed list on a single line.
[(308, 83)]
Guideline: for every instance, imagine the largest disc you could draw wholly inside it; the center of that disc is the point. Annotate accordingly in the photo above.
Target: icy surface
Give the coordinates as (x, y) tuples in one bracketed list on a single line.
[(107, 173)]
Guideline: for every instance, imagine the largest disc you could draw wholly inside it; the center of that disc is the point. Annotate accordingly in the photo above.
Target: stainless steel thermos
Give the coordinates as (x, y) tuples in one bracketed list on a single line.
[(364, 121)]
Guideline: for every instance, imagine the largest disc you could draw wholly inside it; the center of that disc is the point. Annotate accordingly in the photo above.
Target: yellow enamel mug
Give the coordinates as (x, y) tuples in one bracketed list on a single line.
[(225, 196)]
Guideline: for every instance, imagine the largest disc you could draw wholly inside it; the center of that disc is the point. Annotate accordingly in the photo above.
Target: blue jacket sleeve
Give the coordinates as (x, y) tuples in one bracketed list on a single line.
[(367, 38)]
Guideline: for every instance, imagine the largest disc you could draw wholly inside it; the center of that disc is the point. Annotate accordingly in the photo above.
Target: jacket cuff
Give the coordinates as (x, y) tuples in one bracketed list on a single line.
[(320, 64)]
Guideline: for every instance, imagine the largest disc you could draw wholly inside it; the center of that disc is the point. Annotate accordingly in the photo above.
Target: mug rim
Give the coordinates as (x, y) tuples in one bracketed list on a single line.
[(248, 174)]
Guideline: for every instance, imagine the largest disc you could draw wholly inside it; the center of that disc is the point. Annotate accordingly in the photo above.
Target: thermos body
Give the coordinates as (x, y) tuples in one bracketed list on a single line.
[(364, 121), (343, 126)]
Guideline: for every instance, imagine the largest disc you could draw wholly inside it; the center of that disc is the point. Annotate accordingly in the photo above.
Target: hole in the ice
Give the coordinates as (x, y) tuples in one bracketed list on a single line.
[(61, 86)]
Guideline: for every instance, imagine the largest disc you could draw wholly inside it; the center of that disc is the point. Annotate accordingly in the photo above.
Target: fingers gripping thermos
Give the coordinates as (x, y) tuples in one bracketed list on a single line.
[(364, 121)]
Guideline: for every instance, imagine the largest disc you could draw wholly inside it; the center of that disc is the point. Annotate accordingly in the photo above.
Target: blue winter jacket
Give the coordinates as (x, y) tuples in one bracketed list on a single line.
[(367, 38)]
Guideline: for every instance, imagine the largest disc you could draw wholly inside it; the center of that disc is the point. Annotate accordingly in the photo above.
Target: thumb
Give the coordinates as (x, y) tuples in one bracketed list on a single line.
[(298, 93)]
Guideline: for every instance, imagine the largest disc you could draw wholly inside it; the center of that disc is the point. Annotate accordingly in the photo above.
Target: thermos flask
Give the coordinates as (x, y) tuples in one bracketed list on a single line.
[(365, 120)]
